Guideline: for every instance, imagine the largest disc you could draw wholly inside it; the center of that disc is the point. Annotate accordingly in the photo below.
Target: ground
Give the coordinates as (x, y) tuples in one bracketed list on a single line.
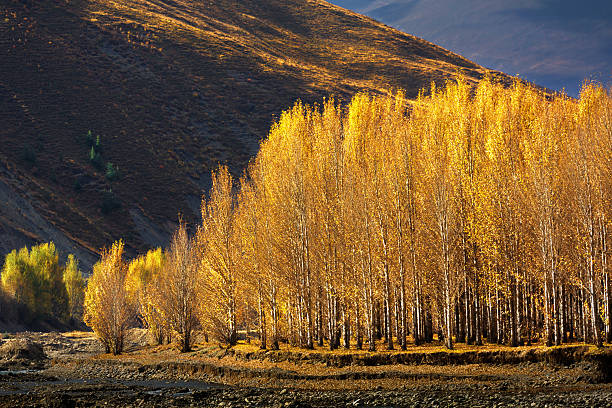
[(75, 373)]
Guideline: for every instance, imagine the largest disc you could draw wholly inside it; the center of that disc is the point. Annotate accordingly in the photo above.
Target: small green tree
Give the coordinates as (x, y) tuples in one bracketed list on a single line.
[(34, 278), (96, 159), (112, 172), (75, 287), (110, 202), (89, 139)]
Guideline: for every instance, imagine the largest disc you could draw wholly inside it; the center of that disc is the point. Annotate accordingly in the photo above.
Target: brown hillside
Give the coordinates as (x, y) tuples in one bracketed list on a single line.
[(172, 87)]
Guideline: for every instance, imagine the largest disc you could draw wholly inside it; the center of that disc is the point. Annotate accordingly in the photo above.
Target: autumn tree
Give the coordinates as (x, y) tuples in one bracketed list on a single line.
[(219, 252), (34, 277), (108, 308), (477, 212), (177, 299), (145, 274), (75, 287)]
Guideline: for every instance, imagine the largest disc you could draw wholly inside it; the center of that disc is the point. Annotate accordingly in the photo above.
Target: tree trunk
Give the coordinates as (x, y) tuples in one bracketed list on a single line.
[(387, 312), (491, 324), (347, 327), (358, 329), (607, 280), (274, 310), (262, 320), (511, 306)]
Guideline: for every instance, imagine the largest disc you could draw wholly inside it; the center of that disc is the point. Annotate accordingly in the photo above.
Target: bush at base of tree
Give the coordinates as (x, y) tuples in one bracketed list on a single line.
[(11, 311)]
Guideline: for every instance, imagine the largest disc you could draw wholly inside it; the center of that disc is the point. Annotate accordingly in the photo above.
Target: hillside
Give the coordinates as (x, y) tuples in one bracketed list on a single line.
[(556, 44), (171, 87)]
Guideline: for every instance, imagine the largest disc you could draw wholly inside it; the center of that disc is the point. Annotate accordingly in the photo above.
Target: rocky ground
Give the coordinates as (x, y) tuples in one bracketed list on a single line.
[(67, 370)]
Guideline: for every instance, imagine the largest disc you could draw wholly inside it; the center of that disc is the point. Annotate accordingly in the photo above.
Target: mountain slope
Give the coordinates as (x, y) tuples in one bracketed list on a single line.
[(556, 43), (171, 87)]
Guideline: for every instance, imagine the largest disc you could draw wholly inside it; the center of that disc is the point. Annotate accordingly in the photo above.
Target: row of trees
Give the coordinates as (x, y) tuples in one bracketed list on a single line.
[(35, 278), (474, 213), (192, 285)]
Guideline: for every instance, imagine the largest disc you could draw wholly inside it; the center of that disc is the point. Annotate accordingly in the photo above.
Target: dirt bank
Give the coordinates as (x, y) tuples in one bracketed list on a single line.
[(562, 355)]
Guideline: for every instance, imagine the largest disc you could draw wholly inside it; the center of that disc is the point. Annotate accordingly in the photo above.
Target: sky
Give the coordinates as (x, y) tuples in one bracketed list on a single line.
[(556, 44)]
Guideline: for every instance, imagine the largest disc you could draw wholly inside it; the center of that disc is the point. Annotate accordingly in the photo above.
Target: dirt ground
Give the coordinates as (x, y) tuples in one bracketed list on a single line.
[(75, 373)]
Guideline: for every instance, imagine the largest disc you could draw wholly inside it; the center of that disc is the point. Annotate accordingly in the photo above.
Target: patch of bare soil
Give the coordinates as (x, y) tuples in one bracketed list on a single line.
[(21, 353)]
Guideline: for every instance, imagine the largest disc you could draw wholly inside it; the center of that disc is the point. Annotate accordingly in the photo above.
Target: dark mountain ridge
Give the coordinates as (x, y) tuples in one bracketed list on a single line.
[(555, 43)]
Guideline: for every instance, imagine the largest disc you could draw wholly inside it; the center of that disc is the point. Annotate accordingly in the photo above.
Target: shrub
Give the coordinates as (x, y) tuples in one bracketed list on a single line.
[(112, 172), (11, 311)]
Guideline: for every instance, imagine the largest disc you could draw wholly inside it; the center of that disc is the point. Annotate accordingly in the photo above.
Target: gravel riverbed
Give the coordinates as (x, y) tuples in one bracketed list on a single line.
[(75, 375)]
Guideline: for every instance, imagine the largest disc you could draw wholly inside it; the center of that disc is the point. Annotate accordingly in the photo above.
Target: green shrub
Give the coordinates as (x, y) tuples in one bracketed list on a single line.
[(112, 172)]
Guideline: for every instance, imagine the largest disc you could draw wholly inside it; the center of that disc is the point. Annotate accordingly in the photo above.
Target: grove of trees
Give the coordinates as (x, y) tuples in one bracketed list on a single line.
[(35, 279), (475, 213)]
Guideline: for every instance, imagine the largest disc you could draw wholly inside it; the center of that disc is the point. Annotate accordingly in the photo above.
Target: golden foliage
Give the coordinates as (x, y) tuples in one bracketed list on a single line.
[(75, 287), (109, 309), (143, 282), (474, 212)]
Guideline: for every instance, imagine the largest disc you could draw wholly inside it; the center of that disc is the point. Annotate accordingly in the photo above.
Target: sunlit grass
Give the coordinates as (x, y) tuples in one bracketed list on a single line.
[(434, 347)]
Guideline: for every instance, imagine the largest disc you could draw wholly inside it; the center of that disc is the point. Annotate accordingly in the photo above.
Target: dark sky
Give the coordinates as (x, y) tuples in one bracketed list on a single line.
[(556, 44)]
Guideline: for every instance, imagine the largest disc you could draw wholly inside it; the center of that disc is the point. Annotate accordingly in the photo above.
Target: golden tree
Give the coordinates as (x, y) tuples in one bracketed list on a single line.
[(219, 256), (144, 278), (177, 299), (75, 287), (476, 212), (108, 308)]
